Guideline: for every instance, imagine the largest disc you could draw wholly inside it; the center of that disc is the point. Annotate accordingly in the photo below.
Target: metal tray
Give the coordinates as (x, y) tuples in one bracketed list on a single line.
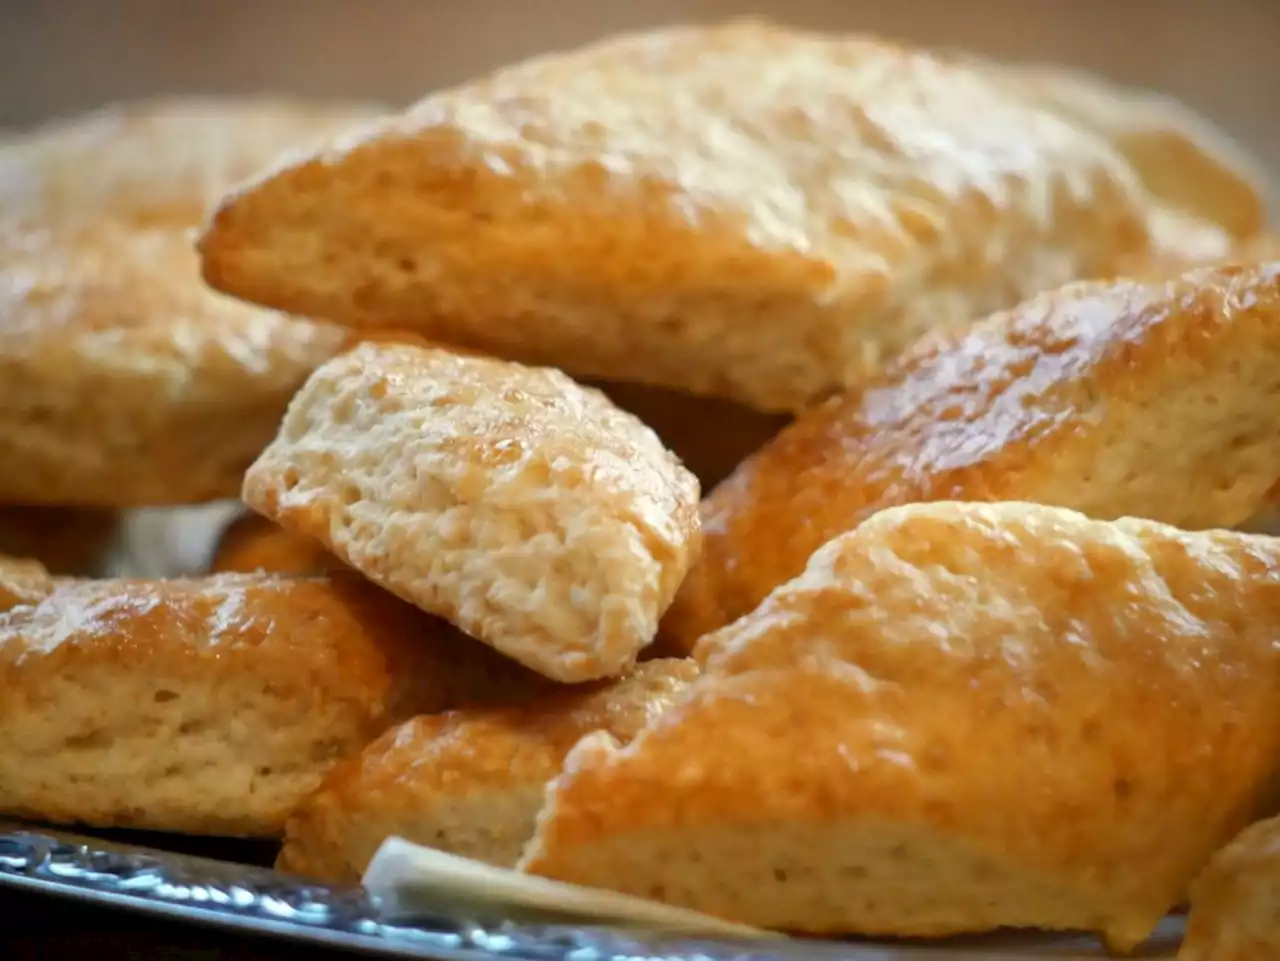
[(255, 900)]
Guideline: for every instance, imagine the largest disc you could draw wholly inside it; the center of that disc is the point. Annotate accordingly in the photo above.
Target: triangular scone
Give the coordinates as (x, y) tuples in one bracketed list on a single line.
[(520, 505), (960, 717), (155, 162), (1235, 903), (125, 381), (1123, 398), (1187, 164), (741, 210), (214, 705), (470, 781)]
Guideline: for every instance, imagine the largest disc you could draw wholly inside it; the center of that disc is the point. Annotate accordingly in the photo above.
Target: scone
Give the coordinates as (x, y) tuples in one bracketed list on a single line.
[(960, 717), (1187, 164), (742, 210), (1234, 902), (470, 781), (155, 162), (124, 381), (253, 543), (214, 705), (525, 508), (1153, 399), (22, 581)]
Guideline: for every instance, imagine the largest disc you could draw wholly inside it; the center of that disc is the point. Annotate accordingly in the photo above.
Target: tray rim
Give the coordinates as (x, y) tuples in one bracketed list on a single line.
[(254, 901)]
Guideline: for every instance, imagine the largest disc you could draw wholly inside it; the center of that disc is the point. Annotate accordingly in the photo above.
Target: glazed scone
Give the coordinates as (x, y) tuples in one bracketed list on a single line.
[(741, 210), (1187, 164), (214, 705), (1234, 902), (155, 162), (124, 381), (523, 507), (253, 543), (960, 717), (22, 581), (1152, 399), (67, 541), (469, 781)]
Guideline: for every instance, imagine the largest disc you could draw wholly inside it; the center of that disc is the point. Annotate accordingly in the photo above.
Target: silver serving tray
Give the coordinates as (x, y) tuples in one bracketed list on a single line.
[(251, 900)]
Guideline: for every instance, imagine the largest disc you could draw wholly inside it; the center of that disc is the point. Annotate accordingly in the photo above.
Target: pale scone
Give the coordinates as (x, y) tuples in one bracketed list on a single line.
[(960, 717), (124, 381), (741, 210), (469, 781), (1152, 399), (525, 508), (214, 705), (155, 162), (1235, 903), (250, 543), (22, 581)]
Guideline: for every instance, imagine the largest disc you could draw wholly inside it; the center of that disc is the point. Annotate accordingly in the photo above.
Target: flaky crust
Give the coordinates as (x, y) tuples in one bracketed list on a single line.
[(213, 705), (469, 781), (155, 162), (1150, 399), (526, 509), (960, 717), (253, 543), (124, 381), (1233, 903), (740, 210)]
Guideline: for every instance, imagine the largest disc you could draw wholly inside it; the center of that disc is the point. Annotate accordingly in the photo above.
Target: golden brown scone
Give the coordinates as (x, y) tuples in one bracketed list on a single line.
[(213, 705), (711, 436), (155, 162), (525, 508), (253, 543), (1187, 163), (22, 581), (470, 781), (65, 540), (742, 210), (1122, 398), (124, 381), (960, 717), (1234, 903)]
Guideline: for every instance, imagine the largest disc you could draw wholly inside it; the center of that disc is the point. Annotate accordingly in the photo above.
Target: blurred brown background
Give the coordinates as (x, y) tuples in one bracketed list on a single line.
[(57, 57)]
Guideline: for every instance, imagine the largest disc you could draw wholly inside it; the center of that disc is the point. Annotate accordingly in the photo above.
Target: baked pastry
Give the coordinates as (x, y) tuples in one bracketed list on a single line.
[(22, 581), (155, 162), (523, 507), (710, 436), (743, 210), (1187, 163), (1150, 399), (213, 705), (1233, 903), (64, 540), (470, 781), (960, 717), (253, 543), (124, 381)]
